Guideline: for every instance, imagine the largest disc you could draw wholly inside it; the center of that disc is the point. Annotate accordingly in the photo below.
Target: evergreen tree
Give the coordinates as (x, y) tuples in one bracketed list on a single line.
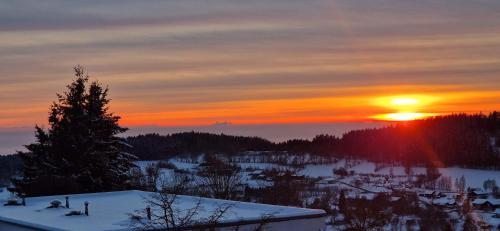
[(489, 185), (431, 172), (80, 151)]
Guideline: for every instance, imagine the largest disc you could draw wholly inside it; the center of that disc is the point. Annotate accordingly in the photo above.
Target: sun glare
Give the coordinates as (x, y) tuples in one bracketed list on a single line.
[(405, 107), (404, 116)]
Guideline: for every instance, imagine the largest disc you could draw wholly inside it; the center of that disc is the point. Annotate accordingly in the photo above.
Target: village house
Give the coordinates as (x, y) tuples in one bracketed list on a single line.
[(486, 204), (432, 194), (327, 181), (445, 202), (112, 211), (477, 193)]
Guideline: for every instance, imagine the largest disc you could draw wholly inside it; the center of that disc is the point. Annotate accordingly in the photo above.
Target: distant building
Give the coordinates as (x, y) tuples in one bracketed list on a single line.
[(445, 202), (111, 211), (432, 194), (486, 204), (326, 181), (477, 193)]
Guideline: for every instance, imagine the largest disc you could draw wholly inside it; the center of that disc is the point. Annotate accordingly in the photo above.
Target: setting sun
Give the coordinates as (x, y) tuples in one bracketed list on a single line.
[(406, 107), (402, 116)]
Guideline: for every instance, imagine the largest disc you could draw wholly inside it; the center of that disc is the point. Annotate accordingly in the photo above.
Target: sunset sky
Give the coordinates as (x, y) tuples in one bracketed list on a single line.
[(251, 67)]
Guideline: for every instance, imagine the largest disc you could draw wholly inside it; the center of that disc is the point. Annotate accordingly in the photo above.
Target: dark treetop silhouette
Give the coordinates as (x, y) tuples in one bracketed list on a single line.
[(80, 151)]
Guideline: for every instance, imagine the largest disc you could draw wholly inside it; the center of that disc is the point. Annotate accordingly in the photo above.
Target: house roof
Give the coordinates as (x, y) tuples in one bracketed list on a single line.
[(443, 201), (257, 172), (479, 201), (111, 210), (482, 201)]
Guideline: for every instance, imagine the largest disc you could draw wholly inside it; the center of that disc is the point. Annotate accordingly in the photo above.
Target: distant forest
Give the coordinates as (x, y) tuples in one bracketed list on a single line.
[(451, 140)]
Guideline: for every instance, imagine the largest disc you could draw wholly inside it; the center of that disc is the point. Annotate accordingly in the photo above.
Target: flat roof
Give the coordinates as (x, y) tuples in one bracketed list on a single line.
[(111, 210)]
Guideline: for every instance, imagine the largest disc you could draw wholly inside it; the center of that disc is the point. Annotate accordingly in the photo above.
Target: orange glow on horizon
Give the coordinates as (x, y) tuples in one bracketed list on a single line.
[(346, 105)]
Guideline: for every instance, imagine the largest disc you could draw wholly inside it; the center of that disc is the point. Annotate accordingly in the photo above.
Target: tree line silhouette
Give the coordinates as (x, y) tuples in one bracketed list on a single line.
[(155, 146), (466, 140), (451, 140)]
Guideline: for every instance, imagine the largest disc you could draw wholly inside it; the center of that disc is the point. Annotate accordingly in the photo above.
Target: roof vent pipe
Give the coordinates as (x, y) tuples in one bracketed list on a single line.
[(67, 201), (86, 208), (148, 212)]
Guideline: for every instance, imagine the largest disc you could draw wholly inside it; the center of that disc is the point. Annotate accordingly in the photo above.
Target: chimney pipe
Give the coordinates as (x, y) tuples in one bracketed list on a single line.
[(148, 212), (67, 201), (86, 208)]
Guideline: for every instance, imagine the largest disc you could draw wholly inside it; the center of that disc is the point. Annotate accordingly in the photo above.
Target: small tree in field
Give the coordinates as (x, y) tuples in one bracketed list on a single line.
[(431, 174), (362, 214), (80, 151), (489, 185), (460, 184), (285, 188), (219, 179)]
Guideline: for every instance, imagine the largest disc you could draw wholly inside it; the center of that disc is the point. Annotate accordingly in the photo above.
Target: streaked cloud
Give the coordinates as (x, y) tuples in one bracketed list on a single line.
[(195, 62)]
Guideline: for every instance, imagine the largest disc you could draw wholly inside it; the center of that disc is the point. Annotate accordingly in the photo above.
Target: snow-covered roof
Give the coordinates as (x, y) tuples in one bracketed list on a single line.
[(394, 198), (478, 191), (478, 201), (443, 201), (111, 210), (482, 201), (257, 172), (327, 180)]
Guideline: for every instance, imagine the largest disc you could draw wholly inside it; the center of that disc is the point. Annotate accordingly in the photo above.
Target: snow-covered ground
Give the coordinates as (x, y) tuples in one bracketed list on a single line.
[(487, 217), (474, 177)]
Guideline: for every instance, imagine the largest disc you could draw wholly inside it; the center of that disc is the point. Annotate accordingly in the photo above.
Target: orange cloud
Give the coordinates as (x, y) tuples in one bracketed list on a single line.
[(177, 63)]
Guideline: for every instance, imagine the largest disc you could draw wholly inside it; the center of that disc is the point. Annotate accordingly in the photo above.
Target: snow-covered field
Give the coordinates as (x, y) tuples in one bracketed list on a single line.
[(474, 177)]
